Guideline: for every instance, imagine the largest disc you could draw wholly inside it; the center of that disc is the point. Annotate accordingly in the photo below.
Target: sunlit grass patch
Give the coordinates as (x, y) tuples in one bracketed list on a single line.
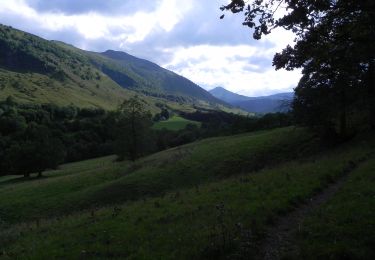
[(175, 123)]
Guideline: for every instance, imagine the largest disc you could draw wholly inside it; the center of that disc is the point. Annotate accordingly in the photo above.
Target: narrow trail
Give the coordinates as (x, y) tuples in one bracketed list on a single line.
[(280, 238)]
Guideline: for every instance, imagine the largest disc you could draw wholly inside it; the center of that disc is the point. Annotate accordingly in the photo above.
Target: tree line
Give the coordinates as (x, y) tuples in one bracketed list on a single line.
[(34, 138)]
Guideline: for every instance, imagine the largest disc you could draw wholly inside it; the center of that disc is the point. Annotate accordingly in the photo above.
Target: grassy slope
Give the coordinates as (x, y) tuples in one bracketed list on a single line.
[(183, 218), (159, 80), (39, 88), (344, 228), (39, 71), (103, 93), (108, 182), (34, 70), (175, 123)]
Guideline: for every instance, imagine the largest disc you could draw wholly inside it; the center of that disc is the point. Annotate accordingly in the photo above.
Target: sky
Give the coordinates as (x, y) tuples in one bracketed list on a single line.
[(186, 37)]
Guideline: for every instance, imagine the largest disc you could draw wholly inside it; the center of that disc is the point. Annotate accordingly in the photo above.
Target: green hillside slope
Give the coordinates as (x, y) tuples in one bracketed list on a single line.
[(192, 201), (36, 70), (158, 80), (39, 71), (184, 166)]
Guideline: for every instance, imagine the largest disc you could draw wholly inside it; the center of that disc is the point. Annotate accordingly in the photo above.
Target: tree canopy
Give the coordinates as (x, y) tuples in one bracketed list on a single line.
[(334, 47), (133, 129), (38, 152)]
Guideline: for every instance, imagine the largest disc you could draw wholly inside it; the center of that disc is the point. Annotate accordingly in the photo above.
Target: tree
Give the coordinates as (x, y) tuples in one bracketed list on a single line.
[(11, 122), (134, 127), (334, 46), (164, 114), (38, 152)]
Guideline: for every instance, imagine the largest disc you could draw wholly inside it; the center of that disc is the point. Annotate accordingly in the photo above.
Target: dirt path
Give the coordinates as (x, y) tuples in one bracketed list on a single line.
[(279, 239)]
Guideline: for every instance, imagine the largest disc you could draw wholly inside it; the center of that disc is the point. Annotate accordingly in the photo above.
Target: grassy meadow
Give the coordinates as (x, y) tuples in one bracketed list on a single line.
[(206, 199), (345, 226)]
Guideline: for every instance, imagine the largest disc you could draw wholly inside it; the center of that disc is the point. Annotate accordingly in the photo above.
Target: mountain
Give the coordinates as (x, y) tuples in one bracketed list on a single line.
[(35, 70), (227, 96), (159, 79), (278, 96), (264, 104)]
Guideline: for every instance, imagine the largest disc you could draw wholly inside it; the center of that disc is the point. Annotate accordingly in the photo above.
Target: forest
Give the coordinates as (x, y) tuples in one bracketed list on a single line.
[(56, 135)]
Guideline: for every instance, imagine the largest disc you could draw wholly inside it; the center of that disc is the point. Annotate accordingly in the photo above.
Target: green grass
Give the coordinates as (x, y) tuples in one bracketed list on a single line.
[(5, 179), (35, 88), (32, 88), (101, 182), (182, 203), (57, 192), (175, 123), (344, 228)]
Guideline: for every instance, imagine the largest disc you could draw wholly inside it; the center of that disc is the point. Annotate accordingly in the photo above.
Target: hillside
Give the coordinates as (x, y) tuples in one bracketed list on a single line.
[(39, 71), (201, 200), (157, 80), (262, 104)]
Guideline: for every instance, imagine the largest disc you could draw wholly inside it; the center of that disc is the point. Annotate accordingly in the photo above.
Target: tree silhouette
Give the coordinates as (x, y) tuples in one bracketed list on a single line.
[(334, 47), (133, 129), (38, 152)]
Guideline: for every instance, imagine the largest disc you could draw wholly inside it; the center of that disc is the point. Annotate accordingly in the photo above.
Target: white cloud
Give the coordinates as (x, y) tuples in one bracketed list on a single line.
[(233, 67), (94, 25), (279, 38)]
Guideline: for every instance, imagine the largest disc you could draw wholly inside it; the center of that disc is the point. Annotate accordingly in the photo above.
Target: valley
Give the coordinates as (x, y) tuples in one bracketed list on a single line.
[(280, 102), (112, 147)]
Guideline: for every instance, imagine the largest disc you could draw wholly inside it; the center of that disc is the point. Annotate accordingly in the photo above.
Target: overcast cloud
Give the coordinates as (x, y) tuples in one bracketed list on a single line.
[(184, 36)]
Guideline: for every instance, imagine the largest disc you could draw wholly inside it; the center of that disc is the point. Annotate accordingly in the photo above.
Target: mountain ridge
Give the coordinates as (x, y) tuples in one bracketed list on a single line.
[(279, 102), (35, 70), (168, 79)]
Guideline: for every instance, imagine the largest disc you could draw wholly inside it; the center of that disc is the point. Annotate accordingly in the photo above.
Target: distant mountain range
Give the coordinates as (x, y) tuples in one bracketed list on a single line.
[(35, 70), (265, 104)]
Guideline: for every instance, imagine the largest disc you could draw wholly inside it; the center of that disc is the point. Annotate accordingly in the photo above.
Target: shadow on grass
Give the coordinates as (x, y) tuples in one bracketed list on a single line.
[(22, 179)]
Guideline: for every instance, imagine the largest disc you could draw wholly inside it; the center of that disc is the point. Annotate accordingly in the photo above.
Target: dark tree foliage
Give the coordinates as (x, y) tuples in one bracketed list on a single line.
[(334, 47), (43, 136), (134, 129), (34, 138), (163, 115), (216, 123), (37, 151)]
